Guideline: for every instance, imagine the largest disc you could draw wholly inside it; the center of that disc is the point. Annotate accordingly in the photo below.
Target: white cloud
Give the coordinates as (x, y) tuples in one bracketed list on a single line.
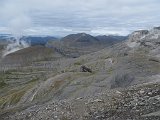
[(54, 16), (106, 31)]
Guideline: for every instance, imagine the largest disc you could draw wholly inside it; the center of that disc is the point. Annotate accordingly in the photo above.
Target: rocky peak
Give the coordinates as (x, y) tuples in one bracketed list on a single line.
[(137, 35), (157, 28), (83, 34), (145, 38), (142, 32)]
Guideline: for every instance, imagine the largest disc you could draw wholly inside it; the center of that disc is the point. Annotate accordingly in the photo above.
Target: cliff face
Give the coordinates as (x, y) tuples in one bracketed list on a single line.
[(144, 38), (148, 40)]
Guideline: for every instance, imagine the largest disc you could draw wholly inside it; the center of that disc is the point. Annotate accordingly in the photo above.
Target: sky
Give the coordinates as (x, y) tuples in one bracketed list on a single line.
[(62, 17)]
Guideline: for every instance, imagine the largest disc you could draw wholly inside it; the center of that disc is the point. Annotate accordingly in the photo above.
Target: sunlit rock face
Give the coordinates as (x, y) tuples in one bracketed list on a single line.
[(136, 37), (148, 39)]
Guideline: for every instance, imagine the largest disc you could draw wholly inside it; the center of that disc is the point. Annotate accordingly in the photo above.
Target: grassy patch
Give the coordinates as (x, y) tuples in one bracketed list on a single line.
[(10, 71), (58, 84), (14, 96), (11, 99), (2, 84), (110, 70), (77, 63), (33, 80), (2, 81)]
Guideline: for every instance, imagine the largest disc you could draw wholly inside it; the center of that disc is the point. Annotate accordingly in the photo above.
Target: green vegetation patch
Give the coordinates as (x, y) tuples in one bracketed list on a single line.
[(2, 80), (33, 80), (14, 96), (78, 63), (2, 84), (11, 99), (110, 70)]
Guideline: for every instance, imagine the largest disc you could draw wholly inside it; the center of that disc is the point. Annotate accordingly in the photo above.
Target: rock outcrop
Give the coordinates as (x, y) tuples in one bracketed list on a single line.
[(146, 39)]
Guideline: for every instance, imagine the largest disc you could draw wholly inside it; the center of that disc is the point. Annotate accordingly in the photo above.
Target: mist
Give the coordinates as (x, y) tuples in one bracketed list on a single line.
[(17, 20)]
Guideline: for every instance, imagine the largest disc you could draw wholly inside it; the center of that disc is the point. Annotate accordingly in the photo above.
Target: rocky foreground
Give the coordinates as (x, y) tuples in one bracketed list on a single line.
[(138, 102), (120, 82)]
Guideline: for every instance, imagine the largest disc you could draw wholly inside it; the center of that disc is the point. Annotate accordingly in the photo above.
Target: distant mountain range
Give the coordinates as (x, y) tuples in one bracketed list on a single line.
[(38, 40), (78, 44), (47, 82), (111, 38), (33, 40), (80, 39), (73, 45), (83, 39)]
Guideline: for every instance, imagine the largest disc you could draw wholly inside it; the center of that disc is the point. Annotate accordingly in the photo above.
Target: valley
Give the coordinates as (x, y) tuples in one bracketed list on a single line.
[(47, 82)]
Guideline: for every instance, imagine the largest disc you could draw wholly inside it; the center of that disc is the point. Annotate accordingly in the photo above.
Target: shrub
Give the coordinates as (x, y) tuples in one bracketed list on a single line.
[(77, 63), (2, 84), (121, 80)]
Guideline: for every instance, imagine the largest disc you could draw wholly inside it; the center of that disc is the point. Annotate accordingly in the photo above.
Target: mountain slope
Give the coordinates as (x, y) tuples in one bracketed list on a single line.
[(28, 55), (110, 39), (75, 45), (124, 83)]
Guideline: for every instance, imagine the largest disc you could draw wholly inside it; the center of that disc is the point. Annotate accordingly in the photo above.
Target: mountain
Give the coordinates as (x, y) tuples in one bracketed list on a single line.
[(33, 40), (29, 55), (7, 39), (110, 39), (79, 40), (118, 82), (36, 40), (146, 39), (75, 45), (4, 36)]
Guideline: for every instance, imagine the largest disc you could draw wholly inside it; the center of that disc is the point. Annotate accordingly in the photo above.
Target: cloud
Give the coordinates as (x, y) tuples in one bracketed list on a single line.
[(14, 17), (107, 31), (62, 17)]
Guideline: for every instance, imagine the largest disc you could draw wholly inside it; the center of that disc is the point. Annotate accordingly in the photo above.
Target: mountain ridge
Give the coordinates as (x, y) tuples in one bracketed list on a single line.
[(79, 44), (124, 83)]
